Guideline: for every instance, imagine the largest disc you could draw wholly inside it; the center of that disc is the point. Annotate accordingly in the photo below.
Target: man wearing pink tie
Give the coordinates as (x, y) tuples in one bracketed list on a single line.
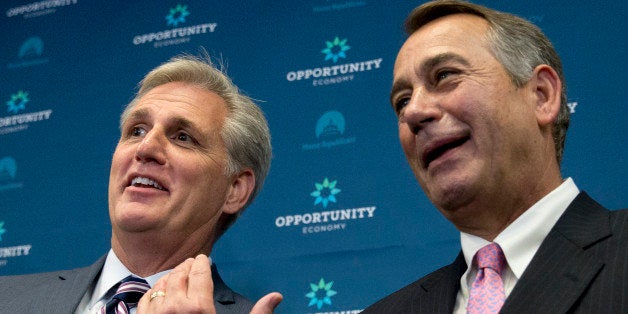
[(482, 112)]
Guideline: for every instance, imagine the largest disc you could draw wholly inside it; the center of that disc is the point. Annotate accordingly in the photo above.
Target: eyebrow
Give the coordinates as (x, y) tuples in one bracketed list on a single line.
[(178, 122), (426, 66), (141, 114)]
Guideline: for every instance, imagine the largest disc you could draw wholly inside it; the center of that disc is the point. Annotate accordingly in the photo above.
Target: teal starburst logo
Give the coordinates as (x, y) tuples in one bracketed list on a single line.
[(18, 102), (321, 293), (177, 15), (2, 230), (325, 192), (335, 49)]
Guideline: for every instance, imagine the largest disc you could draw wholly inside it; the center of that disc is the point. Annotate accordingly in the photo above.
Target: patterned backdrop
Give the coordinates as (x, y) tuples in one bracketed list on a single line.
[(341, 221)]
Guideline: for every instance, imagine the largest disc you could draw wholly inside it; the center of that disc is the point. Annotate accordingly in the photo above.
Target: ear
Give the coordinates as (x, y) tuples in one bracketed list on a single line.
[(239, 192), (547, 91)]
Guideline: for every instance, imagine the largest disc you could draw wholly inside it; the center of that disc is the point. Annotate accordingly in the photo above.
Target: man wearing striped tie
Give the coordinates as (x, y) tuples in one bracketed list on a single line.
[(192, 154), (482, 115)]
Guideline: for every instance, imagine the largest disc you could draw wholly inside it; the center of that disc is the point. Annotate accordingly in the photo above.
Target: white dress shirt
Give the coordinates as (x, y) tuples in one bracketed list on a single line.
[(103, 290), (519, 241)]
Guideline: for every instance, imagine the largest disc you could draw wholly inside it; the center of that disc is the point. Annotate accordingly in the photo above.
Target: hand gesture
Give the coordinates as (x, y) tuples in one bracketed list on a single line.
[(188, 288)]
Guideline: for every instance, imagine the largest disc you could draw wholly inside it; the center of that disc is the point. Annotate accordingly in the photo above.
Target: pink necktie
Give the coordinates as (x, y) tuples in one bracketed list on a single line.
[(487, 291)]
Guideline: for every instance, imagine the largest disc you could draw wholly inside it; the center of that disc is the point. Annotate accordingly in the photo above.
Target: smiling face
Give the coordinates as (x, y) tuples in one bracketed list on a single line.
[(168, 170), (470, 136)]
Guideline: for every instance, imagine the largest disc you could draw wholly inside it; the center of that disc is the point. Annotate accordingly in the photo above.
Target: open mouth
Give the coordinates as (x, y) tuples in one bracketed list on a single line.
[(146, 183), (438, 150)]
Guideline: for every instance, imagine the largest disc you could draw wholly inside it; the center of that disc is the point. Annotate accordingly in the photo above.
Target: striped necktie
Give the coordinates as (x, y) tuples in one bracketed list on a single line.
[(130, 291), (487, 291)]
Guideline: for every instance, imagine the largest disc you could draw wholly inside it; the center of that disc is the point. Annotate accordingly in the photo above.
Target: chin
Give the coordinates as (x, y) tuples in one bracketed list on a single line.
[(452, 193), (135, 226), (133, 219)]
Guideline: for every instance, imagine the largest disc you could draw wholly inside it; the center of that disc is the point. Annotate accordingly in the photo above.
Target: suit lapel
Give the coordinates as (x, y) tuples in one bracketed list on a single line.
[(222, 293), (68, 287), (439, 290), (562, 268)]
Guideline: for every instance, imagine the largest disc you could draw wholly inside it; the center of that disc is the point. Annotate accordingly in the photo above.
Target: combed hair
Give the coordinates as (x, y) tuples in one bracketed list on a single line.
[(245, 131), (517, 44)]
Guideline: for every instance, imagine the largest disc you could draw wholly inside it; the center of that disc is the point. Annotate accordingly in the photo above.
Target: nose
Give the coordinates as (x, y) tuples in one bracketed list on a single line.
[(421, 110), (152, 148)]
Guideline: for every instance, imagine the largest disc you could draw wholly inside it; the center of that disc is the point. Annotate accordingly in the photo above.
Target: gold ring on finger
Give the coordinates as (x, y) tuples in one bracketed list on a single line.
[(156, 294)]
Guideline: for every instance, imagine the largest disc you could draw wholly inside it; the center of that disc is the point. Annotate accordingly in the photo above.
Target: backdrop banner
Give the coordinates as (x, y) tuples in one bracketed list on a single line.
[(341, 220)]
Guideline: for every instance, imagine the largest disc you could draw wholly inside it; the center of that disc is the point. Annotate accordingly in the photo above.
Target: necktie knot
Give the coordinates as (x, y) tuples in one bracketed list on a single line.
[(491, 256), (130, 291)]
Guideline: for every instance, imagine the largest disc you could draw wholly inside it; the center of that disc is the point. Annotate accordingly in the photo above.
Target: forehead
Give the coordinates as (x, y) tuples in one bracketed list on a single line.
[(457, 33), (181, 100)]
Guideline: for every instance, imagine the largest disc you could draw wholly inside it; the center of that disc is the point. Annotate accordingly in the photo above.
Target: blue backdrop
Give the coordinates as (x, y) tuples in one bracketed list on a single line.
[(341, 214)]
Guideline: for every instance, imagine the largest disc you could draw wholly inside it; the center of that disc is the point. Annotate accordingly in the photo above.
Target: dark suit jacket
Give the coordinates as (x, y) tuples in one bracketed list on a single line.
[(62, 291), (579, 268)]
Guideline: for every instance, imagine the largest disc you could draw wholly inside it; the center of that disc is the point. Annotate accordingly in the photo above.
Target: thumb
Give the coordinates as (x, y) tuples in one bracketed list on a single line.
[(267, 304)]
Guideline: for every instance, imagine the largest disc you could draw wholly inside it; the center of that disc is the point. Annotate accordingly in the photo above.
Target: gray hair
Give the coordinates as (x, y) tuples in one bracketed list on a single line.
[(245, 130), (517, 44)]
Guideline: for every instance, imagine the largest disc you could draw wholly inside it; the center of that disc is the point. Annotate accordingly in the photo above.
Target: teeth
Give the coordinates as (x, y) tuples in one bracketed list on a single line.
[(146, 181)]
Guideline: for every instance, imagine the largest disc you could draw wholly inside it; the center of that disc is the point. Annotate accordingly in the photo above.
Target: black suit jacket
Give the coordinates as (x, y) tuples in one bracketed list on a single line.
[(62, 291), (579, 268)]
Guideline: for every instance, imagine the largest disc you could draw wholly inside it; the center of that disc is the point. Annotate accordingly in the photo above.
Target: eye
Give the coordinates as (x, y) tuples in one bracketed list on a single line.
[(184, 137), (137, 131), (444, 74), (400, 104), (441, 75)]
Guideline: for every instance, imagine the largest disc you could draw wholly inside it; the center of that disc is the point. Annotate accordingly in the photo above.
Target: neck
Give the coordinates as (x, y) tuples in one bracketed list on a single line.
[(505, 208), (146, 254)]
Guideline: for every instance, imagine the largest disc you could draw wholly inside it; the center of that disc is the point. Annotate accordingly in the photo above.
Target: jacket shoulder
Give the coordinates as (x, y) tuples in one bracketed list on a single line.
[(441, 284)]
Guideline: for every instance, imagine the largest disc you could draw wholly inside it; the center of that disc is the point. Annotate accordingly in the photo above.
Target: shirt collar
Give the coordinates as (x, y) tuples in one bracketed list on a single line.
[(523, 237), (113, 271)]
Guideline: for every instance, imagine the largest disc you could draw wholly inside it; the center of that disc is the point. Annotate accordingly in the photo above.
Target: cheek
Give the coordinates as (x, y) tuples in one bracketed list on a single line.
[(406, 139), (200, 179), (118, 161), (115, 165), (115, 175)]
